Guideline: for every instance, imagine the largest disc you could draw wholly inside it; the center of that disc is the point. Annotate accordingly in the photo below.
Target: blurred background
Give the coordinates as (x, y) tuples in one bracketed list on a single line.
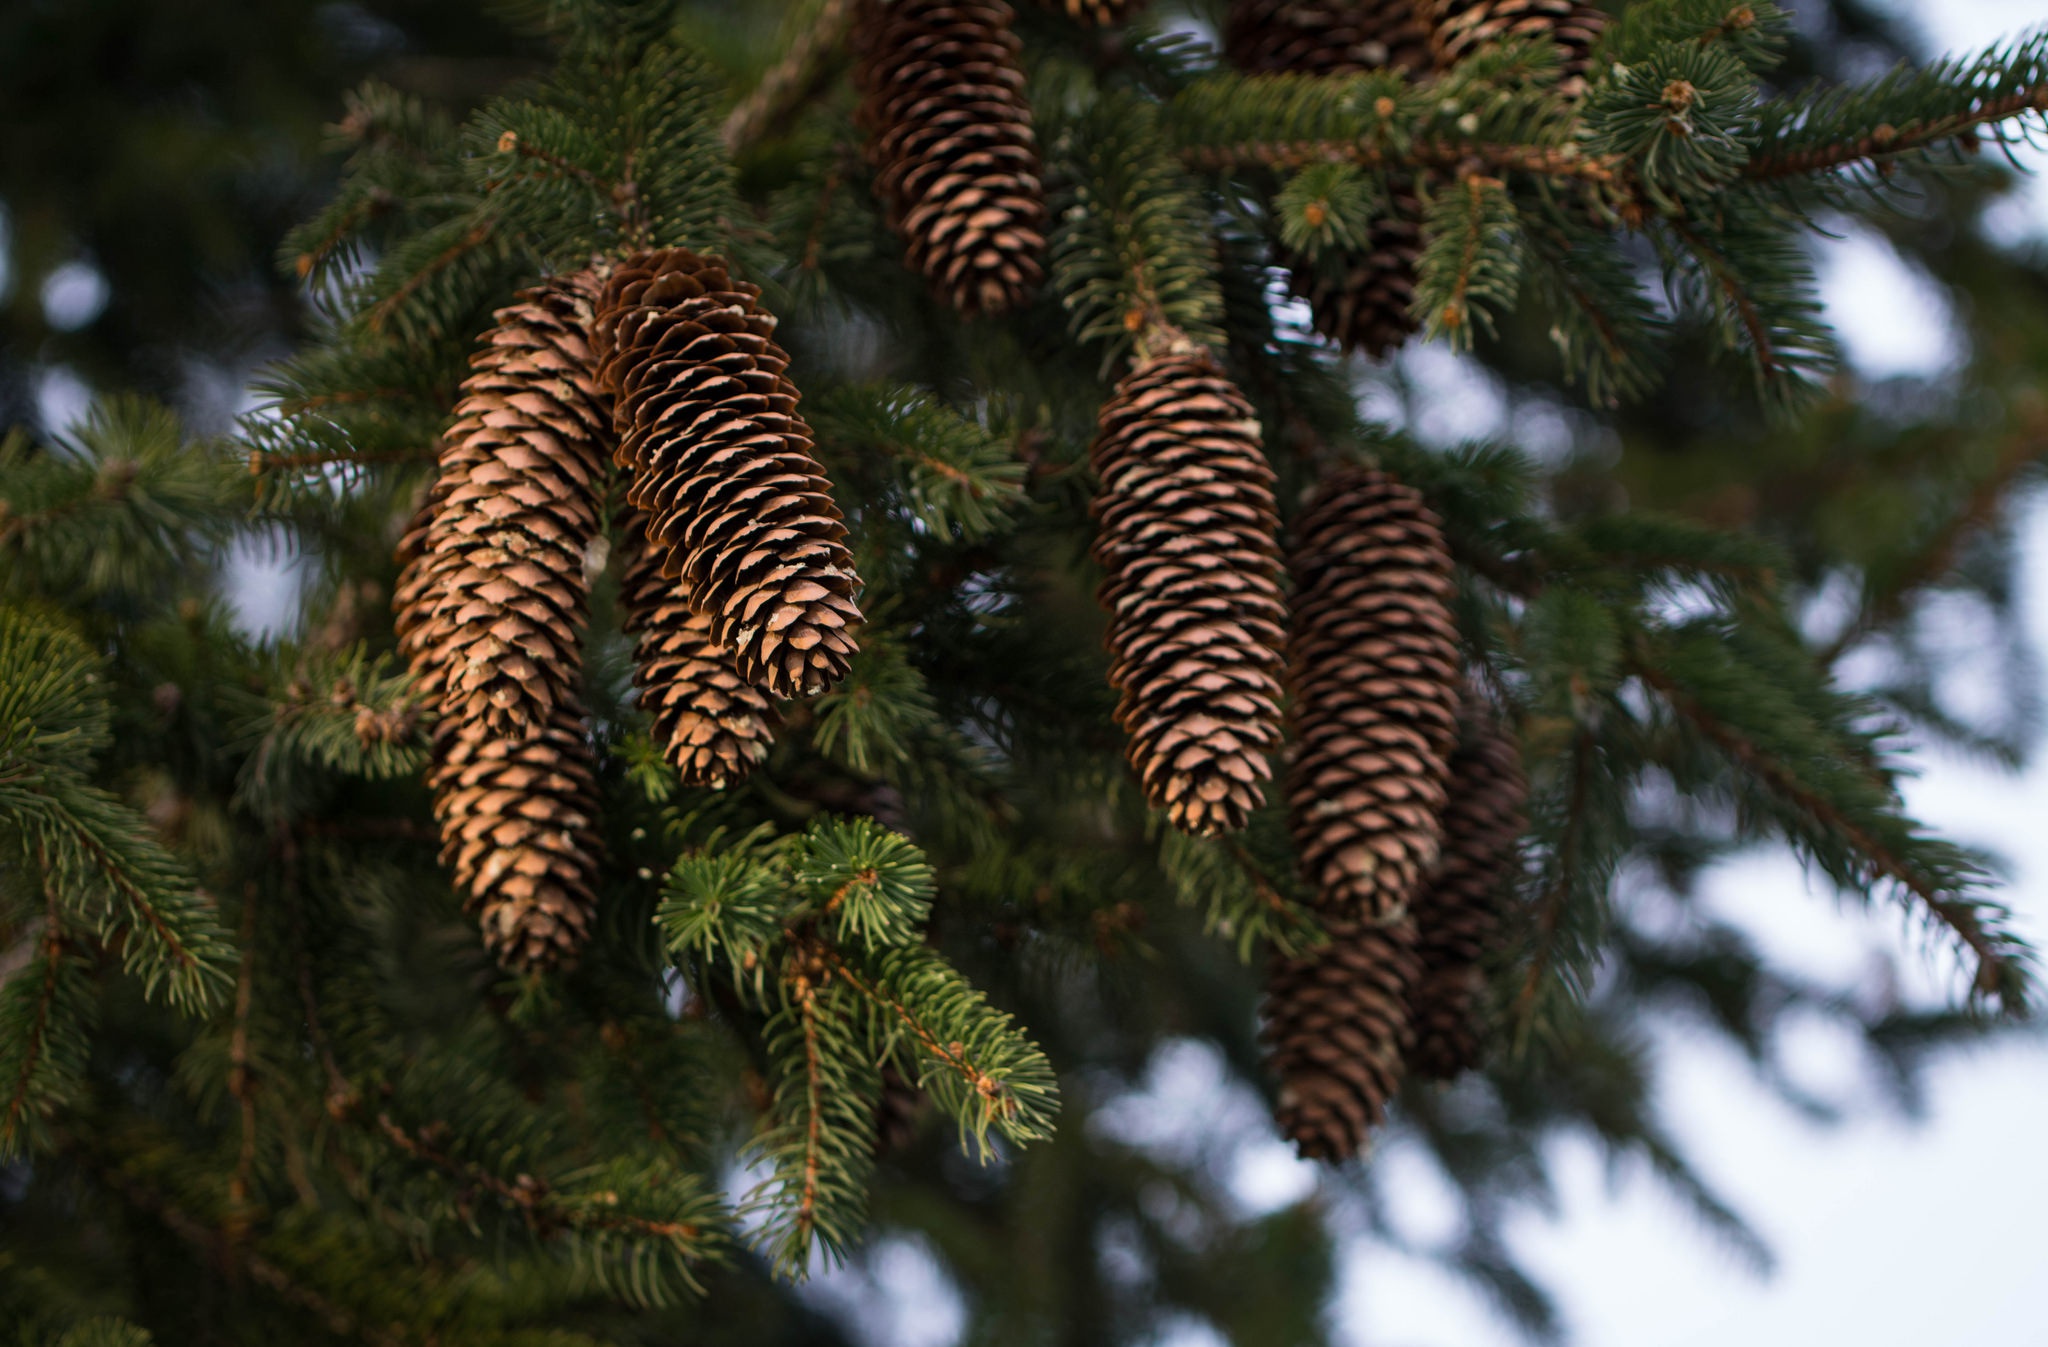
[(1818, 1152)]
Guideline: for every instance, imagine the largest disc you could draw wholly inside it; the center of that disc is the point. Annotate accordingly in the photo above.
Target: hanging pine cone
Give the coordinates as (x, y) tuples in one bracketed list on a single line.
[(1373, 655), (518, 815), (491, 604), (1324, 37), (713, 725), (1459, 28), (490, 614), (1335, 1033), (1185, 534), (1458, 913), (951, 141), (1364, 301), (721, 464)]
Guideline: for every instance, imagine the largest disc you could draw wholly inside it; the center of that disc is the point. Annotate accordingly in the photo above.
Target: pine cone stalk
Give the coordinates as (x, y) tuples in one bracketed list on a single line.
[(1459, 912), (1186, 538), (711, 724), (720, 463), (950, 137), (490, 614)]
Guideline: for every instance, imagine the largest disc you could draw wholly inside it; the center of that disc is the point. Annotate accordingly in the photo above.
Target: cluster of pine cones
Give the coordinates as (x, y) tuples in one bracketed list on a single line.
[(659, 372)]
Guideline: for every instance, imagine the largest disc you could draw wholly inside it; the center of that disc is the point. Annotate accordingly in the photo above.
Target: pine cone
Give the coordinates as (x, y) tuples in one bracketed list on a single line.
[(1324, 37), (1096, 13), (1336, 1031), (1459, 28), (1373, 654), (491, 604), (490, 615), (1458, 913), (1185, 534), (721, 464), (518, 827), (712, 724), (1365, 301), (951, 141)]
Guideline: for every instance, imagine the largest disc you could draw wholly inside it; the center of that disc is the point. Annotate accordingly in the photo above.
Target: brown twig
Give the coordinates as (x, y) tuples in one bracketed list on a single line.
[(1886, 141), (793, 80)]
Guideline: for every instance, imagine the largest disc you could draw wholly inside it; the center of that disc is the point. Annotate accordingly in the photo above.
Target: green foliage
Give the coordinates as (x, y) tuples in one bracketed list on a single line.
[(1472, 263)]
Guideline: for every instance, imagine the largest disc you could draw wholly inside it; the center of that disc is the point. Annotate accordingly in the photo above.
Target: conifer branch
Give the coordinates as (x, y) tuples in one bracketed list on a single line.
[(1996, 975), (792, 81), (1564, 162), (1553, 907), (1884, 141)]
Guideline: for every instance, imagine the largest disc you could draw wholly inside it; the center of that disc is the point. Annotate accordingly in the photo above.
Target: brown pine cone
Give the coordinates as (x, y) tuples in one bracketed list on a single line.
[(1185, 535), (1458, 912), (956, 160), (1459, 28), (721, 464), (518, 827), (1365, 301), (491, 605), (1336, 1029), (1324, 37), (1373, 655), (713, 725)]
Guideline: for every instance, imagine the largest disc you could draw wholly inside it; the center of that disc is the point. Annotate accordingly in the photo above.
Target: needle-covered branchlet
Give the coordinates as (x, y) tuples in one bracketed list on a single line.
[(950, 138), (711, 724), (720, 463), (1186, 538), (1459, 912)]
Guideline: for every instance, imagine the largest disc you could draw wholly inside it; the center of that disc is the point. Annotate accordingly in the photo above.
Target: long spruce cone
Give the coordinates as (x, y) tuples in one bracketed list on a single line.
[(492, 602), (1458, 913), (956, 160), (518, 827), (1361, 301), (713, 725), (1373, 656), (720, 462), (1336, 1031), (490, 614), (1185, 535), (1459, 28), (1324, 37)]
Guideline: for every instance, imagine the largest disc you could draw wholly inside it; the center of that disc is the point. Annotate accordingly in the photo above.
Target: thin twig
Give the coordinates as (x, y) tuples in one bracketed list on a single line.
[(794, 80)]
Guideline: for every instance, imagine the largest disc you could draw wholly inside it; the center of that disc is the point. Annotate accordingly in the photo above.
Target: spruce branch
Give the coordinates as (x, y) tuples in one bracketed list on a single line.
[(794, 80)]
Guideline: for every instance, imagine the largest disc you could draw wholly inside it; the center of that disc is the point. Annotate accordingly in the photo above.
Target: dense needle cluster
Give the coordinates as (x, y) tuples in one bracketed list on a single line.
[(951, 141), (1185, 537), (720, 463)]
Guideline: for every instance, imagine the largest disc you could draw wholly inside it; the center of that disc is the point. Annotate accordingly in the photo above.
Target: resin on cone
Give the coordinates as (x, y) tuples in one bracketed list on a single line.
[(1185, 533), (1373, 656), (711, 724), (1458, 914), (950, 138), (720, 463), (490, 615), (1336, 1032)]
